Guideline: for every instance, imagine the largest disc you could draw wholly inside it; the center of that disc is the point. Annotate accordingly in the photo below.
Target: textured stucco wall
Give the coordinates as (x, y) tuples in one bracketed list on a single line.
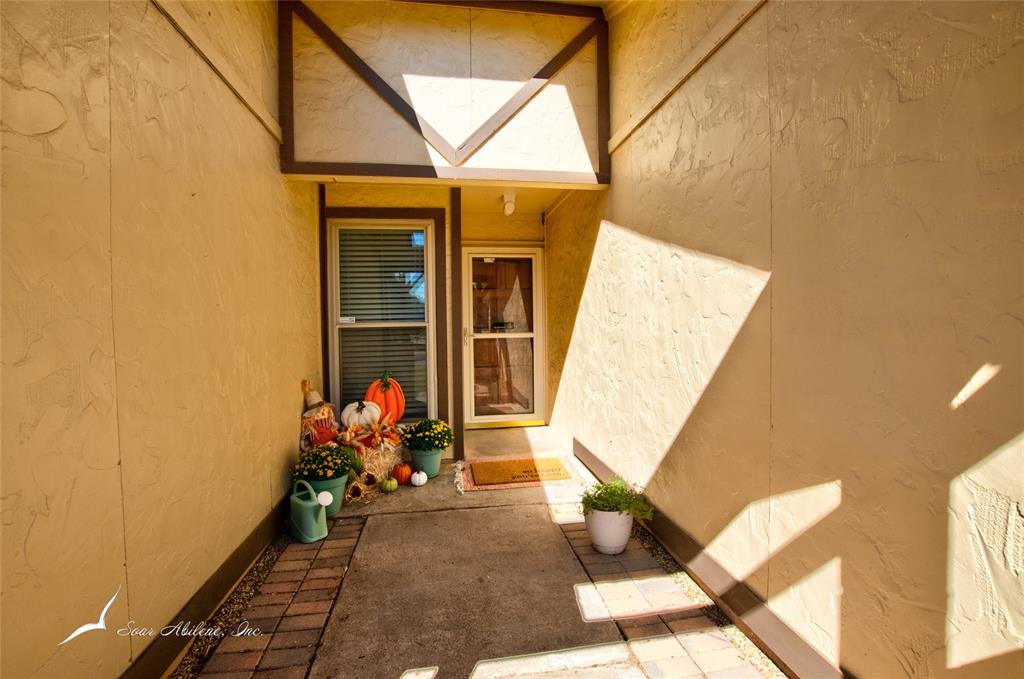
[(159, 310), (456, 67), (805, 255), (494, 226)]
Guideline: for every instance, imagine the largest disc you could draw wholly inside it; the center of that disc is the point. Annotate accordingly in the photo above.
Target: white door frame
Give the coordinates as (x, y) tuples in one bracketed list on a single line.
[(539, 339)]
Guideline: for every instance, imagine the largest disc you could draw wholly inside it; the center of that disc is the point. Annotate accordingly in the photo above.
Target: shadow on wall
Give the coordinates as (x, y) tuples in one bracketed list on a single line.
[(568, 250), (798, 505), (833, 440)]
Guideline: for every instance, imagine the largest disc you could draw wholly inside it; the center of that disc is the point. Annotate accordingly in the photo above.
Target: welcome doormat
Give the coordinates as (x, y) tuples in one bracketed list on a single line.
[(522, 472)]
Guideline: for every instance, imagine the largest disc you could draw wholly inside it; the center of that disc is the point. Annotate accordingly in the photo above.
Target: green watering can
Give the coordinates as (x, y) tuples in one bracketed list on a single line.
[(309, 516)]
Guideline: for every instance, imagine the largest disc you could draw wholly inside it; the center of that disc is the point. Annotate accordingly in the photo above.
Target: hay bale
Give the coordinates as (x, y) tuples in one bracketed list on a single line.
[(379, 462)]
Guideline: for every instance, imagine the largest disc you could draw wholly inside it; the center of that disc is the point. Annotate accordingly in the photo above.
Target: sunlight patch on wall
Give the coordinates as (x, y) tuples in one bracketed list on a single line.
[(654, 323), (985, 569), (445, 102), (766, 526), (812, 608), (978, 380), (556, 130)]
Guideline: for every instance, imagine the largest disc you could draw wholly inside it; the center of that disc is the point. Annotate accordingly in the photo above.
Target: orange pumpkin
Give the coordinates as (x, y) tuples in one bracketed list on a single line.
[(402, 473), (387, 393)]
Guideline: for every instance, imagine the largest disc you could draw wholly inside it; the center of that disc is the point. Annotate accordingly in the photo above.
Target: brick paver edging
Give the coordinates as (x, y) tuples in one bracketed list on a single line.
[(635, 562), (290, 608), (685, 634)]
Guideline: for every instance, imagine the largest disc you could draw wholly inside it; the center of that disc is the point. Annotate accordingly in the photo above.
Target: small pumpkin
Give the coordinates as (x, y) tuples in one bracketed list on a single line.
[(388, 485), (387, 393), (418, 478), (401, 473), (361, 413)]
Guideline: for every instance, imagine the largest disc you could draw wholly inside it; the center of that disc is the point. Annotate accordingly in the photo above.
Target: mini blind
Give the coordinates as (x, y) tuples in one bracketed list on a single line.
[(382, 312), (382, 275), (367, 352)]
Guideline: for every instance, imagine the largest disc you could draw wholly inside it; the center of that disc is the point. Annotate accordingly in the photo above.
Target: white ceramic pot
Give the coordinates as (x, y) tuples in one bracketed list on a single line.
[(609, 531)]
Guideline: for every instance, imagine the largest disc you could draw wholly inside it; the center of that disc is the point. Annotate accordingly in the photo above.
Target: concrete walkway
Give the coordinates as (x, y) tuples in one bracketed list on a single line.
[(448, 588), (428, 582)]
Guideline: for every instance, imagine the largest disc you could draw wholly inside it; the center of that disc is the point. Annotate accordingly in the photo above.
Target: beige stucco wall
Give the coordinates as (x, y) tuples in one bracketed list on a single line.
[(456, 67), (805, 256), (159, 310)]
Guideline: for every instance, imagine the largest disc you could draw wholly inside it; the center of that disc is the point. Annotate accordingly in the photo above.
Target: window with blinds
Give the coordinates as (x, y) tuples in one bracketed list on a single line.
[(382, 312)]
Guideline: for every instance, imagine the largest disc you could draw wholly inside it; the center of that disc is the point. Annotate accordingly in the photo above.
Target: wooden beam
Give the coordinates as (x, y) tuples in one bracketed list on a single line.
[(375, 82), (527, 92), (521, 6), (458, 415), (321, 169)]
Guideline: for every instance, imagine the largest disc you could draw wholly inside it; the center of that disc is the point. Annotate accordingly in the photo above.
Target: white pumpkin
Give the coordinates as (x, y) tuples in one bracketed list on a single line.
[(418, 478), (364, 413)]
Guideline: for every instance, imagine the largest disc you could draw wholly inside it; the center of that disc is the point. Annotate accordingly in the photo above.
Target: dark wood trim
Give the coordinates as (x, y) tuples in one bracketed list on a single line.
[(285, 81), (441, 315), (325, 298), (527, 92), (331, 169), (604, 126), (521, 6), (326, 168), (374, 81), (161, 653), (458, 416), (738, 600), (437, 215), (455, 156)]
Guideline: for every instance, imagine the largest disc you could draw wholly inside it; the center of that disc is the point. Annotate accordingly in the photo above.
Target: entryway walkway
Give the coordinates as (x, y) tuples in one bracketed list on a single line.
[(428, 582)]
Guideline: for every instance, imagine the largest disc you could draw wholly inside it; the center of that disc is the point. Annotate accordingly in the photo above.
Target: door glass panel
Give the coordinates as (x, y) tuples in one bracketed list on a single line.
[(503, 376), (502, 294), (367, 352)]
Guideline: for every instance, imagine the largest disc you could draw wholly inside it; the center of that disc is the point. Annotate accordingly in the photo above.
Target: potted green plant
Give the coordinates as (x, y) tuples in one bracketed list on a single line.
[(425, 440), (609, 510), (328, 466)]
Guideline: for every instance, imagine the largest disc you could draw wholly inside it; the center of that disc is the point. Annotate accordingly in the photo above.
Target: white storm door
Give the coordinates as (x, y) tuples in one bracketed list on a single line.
[(503, 337)]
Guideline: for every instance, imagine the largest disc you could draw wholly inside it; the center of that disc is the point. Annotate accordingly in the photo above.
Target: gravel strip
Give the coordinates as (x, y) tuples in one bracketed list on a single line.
[(229, 614), (743, 644)]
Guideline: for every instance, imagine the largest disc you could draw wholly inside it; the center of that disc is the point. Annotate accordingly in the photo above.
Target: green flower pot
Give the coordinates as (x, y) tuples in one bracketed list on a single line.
[(428, 461), (335, 487)]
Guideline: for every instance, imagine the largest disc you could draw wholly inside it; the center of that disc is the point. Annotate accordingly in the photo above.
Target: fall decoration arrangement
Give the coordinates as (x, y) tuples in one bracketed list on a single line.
[(365, 445)]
